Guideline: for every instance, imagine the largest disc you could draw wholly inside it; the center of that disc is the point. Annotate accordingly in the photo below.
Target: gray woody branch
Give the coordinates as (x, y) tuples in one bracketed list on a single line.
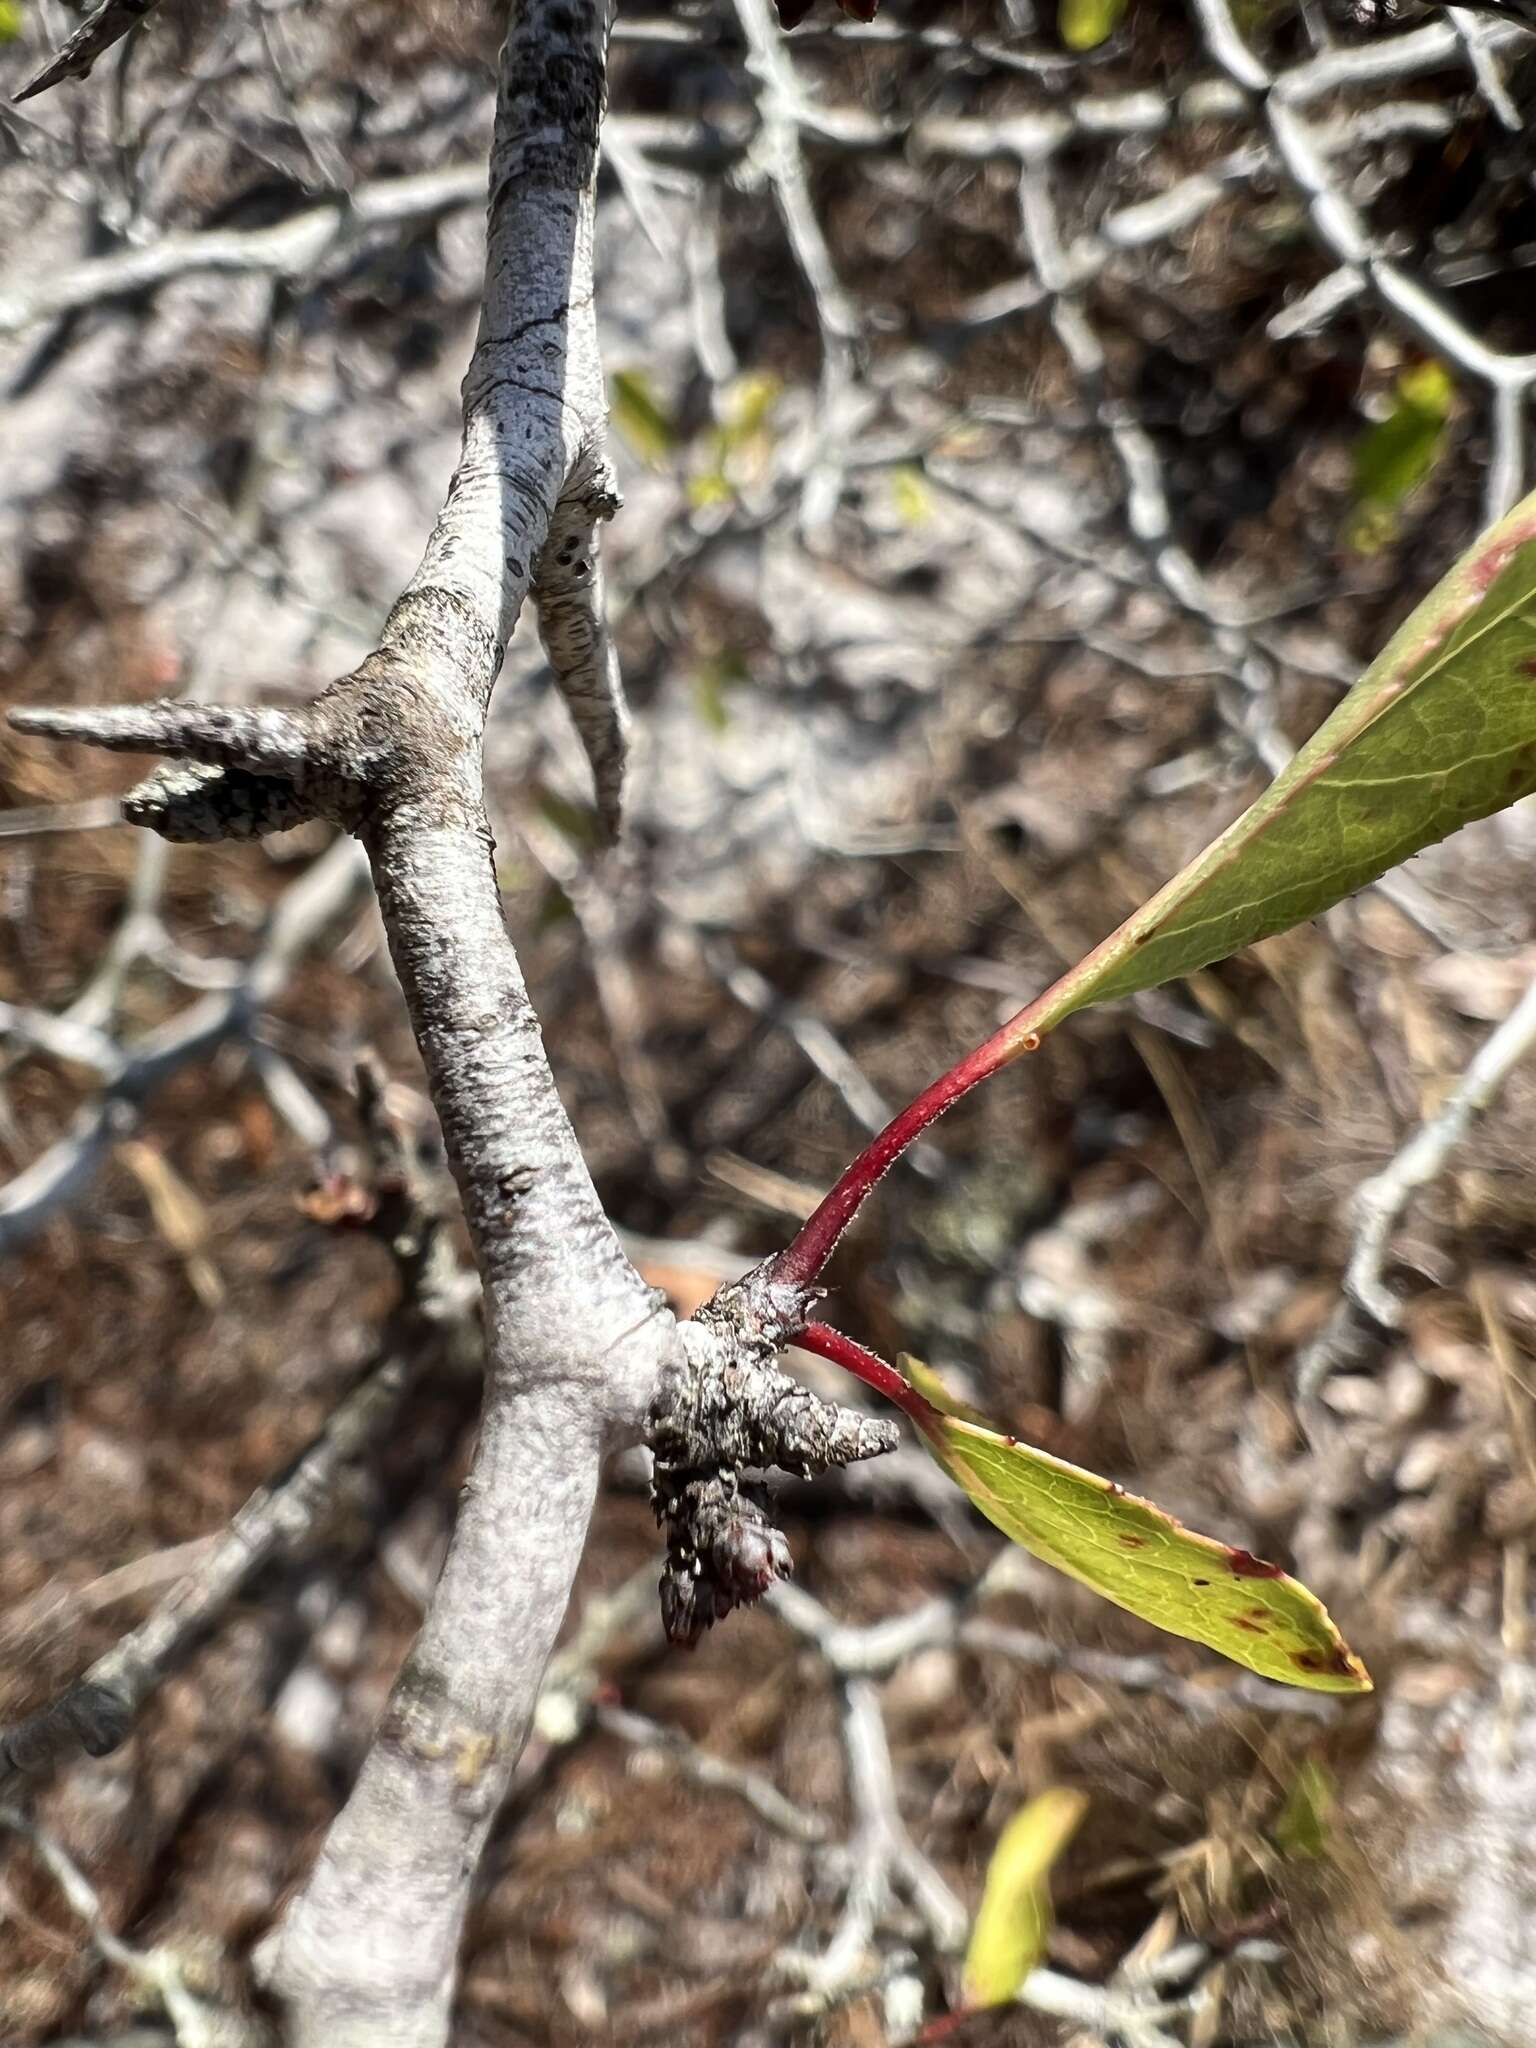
[(101, 28), (580, 1355)]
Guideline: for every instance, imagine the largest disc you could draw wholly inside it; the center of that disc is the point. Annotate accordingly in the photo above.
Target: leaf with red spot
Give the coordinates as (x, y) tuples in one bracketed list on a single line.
[(1136, 1554), (1439, 731)]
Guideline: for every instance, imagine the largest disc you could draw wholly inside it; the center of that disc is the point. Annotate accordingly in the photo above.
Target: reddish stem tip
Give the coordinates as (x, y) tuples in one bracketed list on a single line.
[(867, 1366)]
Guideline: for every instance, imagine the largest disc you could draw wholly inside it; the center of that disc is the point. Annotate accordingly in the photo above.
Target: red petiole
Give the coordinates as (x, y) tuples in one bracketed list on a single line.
[(868, 1367), (802, 1261)]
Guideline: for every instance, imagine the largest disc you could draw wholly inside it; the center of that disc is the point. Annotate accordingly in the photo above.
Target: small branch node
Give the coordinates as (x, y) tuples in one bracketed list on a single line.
[(730, 1410)]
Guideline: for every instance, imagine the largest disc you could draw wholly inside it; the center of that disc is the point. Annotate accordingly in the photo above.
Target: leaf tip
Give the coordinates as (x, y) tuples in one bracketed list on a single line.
[(1336, 1664)]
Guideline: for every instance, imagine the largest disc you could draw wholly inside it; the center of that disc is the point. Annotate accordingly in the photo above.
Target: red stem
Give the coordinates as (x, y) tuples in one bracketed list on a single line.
[(801, 1262), (866, 1366), (945, 2024)]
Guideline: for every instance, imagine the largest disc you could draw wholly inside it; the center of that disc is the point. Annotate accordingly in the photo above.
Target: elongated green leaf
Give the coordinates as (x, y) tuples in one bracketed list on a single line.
[(1143, 1560), (1305, 1821), (747, 409), (1013, 1921), (640, 416), (1395, 455), (1439, 730), (713, 681)]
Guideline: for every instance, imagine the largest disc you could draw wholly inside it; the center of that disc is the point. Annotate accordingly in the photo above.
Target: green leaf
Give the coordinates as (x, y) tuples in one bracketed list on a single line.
[(1306, 1819), (1084, 24), (747, 408), (910, 495), (710, 487), (1439, 730), (1143, 1560), (713, 681), (741, 443), (640, 417), (1398, 453), (930, 1384), (1013, 1921)]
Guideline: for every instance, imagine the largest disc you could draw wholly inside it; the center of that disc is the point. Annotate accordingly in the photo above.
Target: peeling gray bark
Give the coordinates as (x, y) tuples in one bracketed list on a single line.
[(573, 624)]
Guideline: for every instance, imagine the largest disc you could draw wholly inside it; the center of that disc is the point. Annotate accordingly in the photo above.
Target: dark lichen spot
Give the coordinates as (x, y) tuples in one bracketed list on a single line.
[(1246, 1566)]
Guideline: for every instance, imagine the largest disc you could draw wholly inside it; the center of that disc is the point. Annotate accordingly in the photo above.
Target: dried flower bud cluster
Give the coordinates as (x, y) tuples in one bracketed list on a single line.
[(733, 1412)]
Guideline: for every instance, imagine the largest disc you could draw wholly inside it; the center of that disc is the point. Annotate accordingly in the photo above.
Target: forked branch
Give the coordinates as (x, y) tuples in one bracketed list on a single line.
[(580, 1354)]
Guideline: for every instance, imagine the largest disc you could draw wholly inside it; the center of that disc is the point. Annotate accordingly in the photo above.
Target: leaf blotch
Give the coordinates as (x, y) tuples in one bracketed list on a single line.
[(1488, 568), (1253, 1627), (1246, 1566), (1337, 1663)]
